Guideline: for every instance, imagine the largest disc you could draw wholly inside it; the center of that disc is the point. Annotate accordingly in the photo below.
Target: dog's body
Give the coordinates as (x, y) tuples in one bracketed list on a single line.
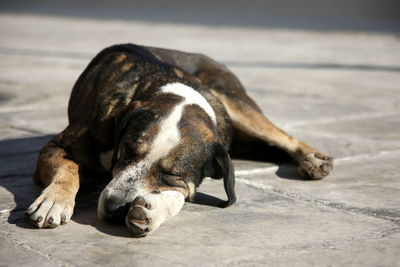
[(160, 121)]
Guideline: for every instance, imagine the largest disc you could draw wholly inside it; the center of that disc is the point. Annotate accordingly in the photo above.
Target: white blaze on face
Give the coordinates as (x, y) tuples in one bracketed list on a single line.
[(168, 136), (167, 139)]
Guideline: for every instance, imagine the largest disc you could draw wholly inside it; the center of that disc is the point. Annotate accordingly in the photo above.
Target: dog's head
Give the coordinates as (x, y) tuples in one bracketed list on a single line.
[(168, 142)]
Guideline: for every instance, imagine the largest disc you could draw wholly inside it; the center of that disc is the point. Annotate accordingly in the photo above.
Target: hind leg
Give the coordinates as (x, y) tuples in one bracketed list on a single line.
[(249, 121), (59, 174)]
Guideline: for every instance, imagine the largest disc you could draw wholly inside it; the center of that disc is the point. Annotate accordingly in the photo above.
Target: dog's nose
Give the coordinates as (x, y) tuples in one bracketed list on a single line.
[(112, 209)]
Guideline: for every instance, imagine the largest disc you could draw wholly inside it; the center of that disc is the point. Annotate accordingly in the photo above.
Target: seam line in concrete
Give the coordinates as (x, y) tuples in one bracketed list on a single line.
[(368, 156), (315, 201), (38, 252), (319, 202), (272, 169), (8, 51), (265, 170)]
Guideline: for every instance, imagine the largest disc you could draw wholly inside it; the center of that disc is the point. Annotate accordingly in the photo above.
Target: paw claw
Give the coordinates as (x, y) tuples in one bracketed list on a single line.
[(63, 219)]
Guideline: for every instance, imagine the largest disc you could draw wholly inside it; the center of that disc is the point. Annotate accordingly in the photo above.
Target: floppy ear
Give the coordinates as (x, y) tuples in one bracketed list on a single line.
[(223, 168), (120, 118), (120, 123)]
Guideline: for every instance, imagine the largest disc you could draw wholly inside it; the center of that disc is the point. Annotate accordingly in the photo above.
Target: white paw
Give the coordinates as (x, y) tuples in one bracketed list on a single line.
[(52, 208), (149, 211)]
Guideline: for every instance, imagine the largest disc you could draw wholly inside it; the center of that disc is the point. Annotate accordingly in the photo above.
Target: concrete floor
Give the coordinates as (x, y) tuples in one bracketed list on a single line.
[(337, 90)]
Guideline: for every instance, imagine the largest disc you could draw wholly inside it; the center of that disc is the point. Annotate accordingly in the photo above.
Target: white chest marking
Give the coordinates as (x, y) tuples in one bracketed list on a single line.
[(190, 96)]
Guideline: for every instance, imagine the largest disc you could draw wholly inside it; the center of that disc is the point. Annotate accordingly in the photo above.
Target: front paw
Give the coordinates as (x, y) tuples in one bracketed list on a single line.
[(141, 219), (315, 166), (149, 211), (52, 208)]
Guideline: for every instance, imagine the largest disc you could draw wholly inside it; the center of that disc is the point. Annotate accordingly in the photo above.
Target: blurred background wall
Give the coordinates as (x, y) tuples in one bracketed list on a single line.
[(348, 15)]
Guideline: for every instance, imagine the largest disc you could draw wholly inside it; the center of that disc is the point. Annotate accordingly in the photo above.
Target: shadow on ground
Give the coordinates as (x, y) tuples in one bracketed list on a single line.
[(18, 162)]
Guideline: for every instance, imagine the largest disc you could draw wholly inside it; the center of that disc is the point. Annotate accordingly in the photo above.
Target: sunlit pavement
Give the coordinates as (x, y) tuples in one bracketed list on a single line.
[(337, 90)]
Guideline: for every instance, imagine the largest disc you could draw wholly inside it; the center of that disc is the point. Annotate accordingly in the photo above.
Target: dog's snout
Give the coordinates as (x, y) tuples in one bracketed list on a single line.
[(112, 205), (115, 199)]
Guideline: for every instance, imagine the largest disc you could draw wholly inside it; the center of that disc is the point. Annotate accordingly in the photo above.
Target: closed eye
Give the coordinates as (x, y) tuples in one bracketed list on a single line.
[(129, 151), (169, 173), (174, 180)]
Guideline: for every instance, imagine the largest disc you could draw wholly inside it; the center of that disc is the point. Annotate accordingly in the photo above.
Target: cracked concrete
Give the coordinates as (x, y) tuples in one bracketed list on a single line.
[(337, 90)]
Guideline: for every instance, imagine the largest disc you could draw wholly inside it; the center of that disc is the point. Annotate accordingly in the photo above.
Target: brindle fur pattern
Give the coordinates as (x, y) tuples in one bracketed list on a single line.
[(116, 100)]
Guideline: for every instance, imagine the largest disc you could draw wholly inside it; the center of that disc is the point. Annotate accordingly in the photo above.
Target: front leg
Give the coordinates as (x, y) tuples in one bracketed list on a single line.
[(149, 211), (60, 175)]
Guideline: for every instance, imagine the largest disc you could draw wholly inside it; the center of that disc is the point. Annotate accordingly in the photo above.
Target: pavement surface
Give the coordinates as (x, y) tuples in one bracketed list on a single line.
[(338, 90)]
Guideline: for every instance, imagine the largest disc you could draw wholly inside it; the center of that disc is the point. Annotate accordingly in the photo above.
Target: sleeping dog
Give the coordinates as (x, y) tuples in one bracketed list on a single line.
[(157, 121)]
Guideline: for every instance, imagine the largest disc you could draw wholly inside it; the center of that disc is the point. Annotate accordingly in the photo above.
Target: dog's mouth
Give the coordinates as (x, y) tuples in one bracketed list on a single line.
[(114, 215), (114, 202)]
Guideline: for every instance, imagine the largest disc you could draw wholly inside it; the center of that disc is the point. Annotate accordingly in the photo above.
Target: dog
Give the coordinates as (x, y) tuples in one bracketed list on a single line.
[(157, 121)]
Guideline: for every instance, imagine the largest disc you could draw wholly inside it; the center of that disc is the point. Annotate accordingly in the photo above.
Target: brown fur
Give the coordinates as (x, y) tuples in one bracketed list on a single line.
[(116, 82)]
